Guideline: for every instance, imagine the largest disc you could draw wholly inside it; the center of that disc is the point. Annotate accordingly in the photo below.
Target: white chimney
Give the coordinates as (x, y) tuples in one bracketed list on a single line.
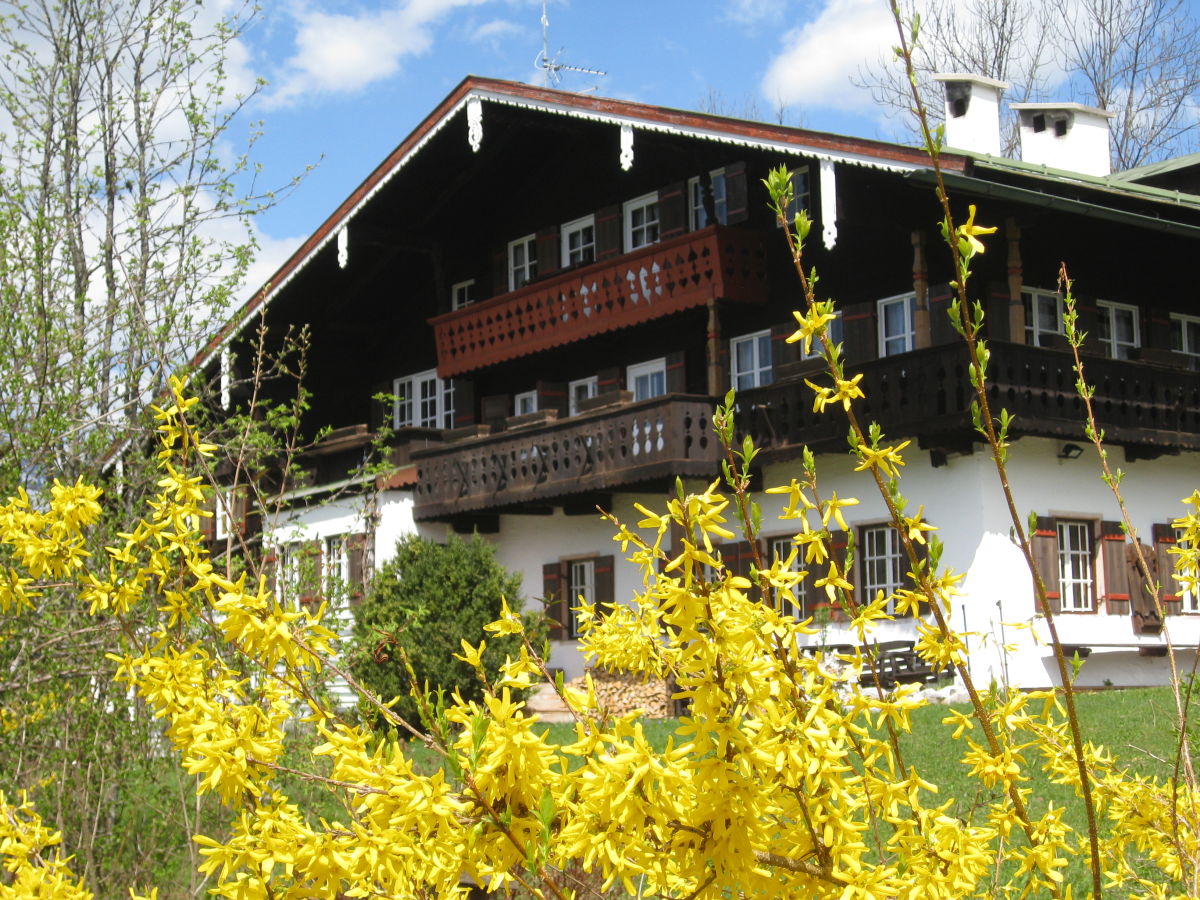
[(1065, 136), (973, 112)]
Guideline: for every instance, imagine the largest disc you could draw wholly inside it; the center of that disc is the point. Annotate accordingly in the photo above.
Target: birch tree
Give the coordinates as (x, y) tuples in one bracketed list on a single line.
[(124, 223)]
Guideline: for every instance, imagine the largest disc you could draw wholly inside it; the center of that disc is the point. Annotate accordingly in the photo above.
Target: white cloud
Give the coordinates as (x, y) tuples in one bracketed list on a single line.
[(752, 12), (495, 30), (818, 58), (270, 255), (342, 53)]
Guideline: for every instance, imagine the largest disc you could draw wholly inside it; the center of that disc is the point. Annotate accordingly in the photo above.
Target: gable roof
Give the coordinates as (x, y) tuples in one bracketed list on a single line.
[(620, 113)]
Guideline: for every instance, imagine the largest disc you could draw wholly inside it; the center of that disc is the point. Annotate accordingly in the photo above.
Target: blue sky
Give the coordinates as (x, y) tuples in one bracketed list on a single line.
[(349, 80)]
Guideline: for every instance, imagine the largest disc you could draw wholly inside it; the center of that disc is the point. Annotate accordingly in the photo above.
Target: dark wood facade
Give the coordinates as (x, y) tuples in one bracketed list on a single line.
[(445, 215)]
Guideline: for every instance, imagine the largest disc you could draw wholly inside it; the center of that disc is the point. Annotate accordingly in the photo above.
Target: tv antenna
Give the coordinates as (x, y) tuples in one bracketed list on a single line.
[(552, 68)]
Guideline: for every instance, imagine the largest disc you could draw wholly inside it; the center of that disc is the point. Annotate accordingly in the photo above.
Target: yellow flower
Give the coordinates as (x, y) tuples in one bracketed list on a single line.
[(969, 232)]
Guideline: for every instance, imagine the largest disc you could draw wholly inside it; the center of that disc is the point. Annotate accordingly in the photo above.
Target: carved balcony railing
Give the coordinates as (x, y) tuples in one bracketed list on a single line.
[(607, 449), (927, 393), (716, 262)]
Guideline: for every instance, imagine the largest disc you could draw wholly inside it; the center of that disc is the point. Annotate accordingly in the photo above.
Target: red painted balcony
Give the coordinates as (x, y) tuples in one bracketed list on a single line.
[(718, 262), (605, 450)]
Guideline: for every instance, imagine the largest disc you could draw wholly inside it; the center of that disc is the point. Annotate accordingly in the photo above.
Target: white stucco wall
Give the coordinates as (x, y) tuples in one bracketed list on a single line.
[(995, 607)]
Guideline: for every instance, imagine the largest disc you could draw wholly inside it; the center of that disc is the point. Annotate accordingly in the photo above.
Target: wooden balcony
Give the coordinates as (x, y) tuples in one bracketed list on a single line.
[(600, 451), (1149, 409), (716, 262)]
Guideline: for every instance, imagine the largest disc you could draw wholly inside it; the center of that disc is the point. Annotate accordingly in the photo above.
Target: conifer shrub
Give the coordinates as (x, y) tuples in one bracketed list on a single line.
[(421, 606)]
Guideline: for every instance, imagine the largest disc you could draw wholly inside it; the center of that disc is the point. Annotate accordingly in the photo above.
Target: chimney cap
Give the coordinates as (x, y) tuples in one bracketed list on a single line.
[(976, 79), (1065, 107)]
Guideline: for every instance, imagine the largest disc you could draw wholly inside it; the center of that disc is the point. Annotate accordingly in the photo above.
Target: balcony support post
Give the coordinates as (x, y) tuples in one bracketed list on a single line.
[(712, 350)]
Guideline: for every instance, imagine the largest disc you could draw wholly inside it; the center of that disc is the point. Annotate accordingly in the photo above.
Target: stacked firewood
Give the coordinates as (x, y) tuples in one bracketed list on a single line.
[(620, 693)]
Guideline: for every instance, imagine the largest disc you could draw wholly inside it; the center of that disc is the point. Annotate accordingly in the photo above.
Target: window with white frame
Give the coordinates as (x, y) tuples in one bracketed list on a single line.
[(641, 221), (525, 403), (1185, 335), (522, 261), (579, 390), (897, 324), (720, 201), (781, 549), (1043, 316), (423, 400), (647, 379), (882, 563), (462, 294), (1075, 572), (581, 584), (835, 334), (1117, 328), (801, 195), (579, 242), (750, 360)]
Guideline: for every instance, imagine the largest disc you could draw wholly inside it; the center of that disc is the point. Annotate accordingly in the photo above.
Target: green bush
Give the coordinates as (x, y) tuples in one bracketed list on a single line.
[(427, 599)]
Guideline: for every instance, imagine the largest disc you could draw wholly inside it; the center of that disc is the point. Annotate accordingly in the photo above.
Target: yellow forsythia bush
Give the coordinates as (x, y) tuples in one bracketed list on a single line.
[(784, 780)]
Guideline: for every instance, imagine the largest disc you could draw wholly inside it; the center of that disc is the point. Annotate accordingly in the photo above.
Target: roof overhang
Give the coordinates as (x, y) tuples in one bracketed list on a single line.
[(620, 113)]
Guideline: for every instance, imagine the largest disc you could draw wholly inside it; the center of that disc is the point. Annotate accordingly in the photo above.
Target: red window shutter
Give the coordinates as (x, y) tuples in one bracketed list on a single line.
[(737, 193), (1117, 583), (673, 210), (1163, 567), (554, 598), (464, 402), (604, 585), (839, 552), (1044, 544), (552, 395), (676, 373)]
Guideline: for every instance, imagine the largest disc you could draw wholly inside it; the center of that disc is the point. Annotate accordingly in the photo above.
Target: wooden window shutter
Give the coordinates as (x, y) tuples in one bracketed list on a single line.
[(813, 596), (738, 557), (609, 233), (208, 524), (860, 336), (941, 329), (676, 373), (737, 204), (358, 554), (839, 551), (1162, 563), (549, 251), (910, 583), (494, 409), (782, 353), (604, 585), (672, 210), (554, 585), (609, 380), (1115, 568), (312, 574), (552, 395), (464, 401), (499, 272), (1044, 545)]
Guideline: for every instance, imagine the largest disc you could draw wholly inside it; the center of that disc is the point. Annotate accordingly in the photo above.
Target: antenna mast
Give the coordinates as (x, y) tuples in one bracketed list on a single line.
[(552, 69)]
